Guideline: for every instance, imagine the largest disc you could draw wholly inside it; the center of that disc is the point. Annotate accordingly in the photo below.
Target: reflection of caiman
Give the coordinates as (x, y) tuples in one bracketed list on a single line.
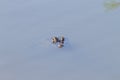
[(58, 40)]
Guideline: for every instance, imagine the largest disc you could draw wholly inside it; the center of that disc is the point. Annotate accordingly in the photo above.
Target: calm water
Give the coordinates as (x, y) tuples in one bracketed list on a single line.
[(92, 47)]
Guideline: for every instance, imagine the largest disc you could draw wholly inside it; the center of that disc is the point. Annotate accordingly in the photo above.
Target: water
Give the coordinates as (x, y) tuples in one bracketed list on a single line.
[(91, 50)]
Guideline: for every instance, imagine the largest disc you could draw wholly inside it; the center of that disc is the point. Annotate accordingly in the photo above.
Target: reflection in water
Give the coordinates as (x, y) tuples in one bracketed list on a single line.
[(110, 5)]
